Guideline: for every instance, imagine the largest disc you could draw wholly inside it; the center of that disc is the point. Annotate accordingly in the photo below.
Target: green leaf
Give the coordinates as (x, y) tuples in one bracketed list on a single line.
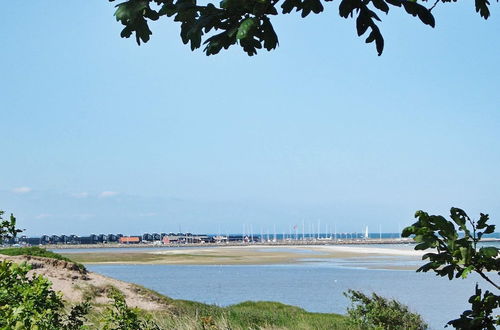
[(489, 252), (289, 5), (381, 5), (465, 253), (269, 36), (346, 8), (489, 229), (168, 9), (410, 230), (422, 246), (129, 10), (482, 8), (309, 6), (362, 23), (245, 28), (481, 223), (396, 3), (416, 9)]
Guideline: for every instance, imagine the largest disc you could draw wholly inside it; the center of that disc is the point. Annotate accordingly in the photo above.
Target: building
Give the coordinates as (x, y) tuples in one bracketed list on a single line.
[(129, 240)]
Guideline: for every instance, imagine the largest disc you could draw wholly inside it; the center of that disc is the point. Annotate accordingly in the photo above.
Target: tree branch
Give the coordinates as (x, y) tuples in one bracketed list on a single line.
[(487, 279), (434, 5)]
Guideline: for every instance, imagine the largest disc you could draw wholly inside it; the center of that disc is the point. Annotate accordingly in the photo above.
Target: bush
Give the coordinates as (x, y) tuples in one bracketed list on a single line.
[(121, 317), (381, 313), (30, 303)]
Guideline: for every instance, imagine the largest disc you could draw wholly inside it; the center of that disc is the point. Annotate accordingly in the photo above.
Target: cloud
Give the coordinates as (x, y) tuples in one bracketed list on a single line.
[(43, 216), (106, 194), (22, 190), (80, 195)]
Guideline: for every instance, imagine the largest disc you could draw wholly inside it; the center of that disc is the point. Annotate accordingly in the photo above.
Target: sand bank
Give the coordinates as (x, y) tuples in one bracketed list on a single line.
[(255, 255)]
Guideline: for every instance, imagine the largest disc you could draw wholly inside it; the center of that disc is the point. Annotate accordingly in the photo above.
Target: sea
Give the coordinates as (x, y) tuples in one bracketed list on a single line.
[(316, 285)]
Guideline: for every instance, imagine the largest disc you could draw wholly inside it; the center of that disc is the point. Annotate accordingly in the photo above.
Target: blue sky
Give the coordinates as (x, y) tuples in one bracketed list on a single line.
[(100, 135)]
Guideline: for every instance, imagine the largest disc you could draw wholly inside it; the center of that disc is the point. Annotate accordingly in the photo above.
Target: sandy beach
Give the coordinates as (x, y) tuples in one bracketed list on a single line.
[(390, 257)]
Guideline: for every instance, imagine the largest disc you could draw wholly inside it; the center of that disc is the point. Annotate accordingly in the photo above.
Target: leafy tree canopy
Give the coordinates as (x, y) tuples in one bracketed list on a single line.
[(455, 254), (247, 22)]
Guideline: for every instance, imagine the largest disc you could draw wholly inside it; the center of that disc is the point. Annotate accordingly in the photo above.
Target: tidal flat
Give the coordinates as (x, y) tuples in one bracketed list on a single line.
[(350, 256)]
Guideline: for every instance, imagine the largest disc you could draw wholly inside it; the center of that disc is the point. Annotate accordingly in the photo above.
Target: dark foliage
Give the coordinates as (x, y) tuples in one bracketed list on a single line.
[(377, 312), (247, 22), (28, 302), (457, 255)]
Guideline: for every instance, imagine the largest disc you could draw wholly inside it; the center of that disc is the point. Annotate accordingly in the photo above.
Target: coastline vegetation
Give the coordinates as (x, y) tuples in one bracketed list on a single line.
[(184, 314), (36, 251)]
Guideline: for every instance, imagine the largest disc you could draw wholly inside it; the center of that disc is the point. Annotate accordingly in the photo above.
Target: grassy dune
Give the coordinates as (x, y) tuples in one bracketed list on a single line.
[(262, 315), (184, 314), (190, 315), (38, 252)]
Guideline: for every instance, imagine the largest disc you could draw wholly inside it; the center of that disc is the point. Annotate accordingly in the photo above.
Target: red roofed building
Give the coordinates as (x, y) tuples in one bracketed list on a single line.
[(129, 240)]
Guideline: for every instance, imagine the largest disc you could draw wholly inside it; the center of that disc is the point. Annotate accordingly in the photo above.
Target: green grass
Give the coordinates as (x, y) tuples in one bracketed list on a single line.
[(261, 315), (185, 314), (249, 315), (38, 252), (272, 314), (190, 315)]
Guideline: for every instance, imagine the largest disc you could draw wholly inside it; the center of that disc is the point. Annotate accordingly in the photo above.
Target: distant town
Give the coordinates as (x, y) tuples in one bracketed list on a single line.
[(175, 239), (147, 238), (189, 238)]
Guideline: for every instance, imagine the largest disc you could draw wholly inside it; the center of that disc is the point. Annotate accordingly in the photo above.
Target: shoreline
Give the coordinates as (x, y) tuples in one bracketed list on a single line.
[(401, 241), (291, 243)]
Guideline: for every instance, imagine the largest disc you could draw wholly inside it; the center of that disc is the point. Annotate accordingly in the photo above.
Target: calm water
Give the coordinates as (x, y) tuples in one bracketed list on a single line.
[(314, 286)]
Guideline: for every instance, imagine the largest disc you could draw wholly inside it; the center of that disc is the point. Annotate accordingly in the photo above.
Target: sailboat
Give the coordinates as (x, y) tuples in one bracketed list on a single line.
[(366, 233)]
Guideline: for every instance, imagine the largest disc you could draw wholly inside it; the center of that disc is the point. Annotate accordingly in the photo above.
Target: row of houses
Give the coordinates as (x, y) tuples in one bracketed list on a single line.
[(158, 238)]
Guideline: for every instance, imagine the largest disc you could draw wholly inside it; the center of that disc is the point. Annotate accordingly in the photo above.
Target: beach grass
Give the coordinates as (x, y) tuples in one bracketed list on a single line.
[(39, 252), (262, 315), (186, 314)]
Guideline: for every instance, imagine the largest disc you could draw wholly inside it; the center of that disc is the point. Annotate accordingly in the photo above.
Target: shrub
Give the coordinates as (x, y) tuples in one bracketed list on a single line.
[(121, 317), (381, 313), (28, 302)]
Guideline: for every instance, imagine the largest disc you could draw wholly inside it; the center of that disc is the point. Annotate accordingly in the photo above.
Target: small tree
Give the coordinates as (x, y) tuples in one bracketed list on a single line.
[(377, 312), (8, 228), (457, 255)]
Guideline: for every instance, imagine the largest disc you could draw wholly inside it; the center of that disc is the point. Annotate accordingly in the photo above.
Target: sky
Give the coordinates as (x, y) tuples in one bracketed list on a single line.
[(99, 135)]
